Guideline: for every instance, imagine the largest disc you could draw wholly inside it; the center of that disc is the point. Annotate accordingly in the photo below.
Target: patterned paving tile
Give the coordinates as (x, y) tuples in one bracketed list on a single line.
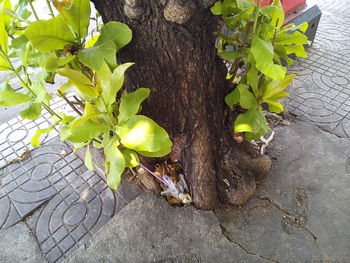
[(62, 202), (68, 203), (321, 91)]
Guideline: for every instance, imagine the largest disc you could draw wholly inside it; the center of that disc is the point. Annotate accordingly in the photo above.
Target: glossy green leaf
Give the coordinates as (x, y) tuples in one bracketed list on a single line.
[(159, 153), (263, 54), (295, 38), (90, 112), (131, 158), (118, 32), (216, 8), (84, 132), (275, 106), (115, 162), (141, 133), (116, 82), (298, 50), (274, 87), (95, 56), (10, 98), (88, 159), (130, 104), (47, 35), (82, 82), (78, 16), (232, 98), (32, 112), (247, 99), (252, 121), (52, 64)]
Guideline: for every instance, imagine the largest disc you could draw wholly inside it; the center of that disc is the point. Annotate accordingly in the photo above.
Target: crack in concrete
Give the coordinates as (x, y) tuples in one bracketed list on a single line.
[(289, 215), (223, 231), (311, 234), (273, 203)]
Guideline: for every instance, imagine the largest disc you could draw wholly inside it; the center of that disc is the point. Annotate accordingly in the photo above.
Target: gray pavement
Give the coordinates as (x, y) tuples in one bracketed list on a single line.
[(299, 214), (50, 204), (320, 94)]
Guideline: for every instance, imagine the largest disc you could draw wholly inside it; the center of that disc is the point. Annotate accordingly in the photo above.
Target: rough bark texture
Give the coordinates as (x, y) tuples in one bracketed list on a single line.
[(173, 47)]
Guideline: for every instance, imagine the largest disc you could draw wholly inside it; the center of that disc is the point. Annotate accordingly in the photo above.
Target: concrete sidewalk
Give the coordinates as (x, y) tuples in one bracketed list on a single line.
[(299, 214)]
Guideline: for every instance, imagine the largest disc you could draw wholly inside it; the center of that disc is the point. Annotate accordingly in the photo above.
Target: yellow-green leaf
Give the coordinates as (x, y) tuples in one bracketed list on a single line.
[(47, 35), (82, 82), (88, 159), (10, 98)]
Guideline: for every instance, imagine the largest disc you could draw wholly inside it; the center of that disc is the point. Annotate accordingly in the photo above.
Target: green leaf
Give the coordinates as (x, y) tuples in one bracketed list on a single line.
[(274, 106), (118, 32), (3, 34), (141, 133), (82, 82), (263, 54), (88, 159), (117, 80), (252, 121), (35, 141), (274, 87), (275, 12), (247, 99), (230, 55), (32, 112), (298, 50), (295, 38), (53, 63), (131, 103), (84, 132), (95, 56), (232, 98), (216, 8), (115, 163), (4, 63), (49, 34), (78, 16), (159, 153), (253, 79), (10, 98), (131, 158), (90, 112)]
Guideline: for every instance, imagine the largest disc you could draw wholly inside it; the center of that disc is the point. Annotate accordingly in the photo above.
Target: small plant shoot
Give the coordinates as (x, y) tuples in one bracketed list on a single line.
[(259, 47)]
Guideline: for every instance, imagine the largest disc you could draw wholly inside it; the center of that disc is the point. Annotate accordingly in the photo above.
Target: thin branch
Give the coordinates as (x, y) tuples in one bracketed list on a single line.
[(69, 103)]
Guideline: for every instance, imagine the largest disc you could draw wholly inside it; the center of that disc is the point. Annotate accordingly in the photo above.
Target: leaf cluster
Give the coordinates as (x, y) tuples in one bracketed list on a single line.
[(106, 116), (260, 47)]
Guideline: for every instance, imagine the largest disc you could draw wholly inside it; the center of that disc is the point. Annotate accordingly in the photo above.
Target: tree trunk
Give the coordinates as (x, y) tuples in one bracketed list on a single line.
[(173, 47)]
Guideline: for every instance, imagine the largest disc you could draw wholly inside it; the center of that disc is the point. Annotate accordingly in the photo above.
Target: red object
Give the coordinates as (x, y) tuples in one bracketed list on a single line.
[(288, 5)]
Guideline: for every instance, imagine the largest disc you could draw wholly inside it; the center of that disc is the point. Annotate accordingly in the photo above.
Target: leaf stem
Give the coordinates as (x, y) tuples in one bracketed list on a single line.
[(256, 16), (33, 9), (50, 8), (69, 103), (47, 107)]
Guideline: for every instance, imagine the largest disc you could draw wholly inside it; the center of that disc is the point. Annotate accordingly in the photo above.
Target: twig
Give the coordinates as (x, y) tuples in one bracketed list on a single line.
[(69, 103)]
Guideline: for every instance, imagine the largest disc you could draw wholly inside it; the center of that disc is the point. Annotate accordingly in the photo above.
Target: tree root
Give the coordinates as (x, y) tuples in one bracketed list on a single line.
[(239, 171)]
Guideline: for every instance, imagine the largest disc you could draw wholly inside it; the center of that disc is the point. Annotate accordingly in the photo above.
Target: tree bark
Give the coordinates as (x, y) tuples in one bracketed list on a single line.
[(173, 47)]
